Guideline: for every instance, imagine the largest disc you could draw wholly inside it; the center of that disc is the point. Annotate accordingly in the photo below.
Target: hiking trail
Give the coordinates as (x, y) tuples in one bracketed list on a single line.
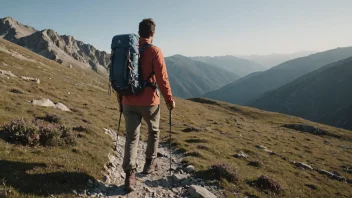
[(157, 184)]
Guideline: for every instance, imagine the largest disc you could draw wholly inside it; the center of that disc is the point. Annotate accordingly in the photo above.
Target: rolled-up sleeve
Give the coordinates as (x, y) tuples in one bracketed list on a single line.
[(161, 75)]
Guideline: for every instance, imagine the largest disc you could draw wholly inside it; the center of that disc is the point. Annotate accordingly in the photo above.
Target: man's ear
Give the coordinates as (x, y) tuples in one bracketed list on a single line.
[(152, 34)]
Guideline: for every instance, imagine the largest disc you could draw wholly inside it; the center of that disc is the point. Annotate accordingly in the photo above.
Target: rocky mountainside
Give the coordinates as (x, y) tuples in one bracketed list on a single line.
[(252, 87), (324, 95), (12, 30), (238, 66), (48, 43), (190, 78)]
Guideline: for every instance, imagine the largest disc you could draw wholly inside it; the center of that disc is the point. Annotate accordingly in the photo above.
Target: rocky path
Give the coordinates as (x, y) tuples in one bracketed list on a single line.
[(180, 183)]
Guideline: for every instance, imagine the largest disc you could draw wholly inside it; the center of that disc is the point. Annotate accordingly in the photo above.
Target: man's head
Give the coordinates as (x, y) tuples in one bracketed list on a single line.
[(147, 28)]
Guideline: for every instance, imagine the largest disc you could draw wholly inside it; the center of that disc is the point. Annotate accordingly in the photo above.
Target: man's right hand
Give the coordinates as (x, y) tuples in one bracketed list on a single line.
[(171, 105)]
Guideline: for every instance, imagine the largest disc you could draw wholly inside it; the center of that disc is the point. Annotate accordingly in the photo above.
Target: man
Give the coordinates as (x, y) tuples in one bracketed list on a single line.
[(145, 105)]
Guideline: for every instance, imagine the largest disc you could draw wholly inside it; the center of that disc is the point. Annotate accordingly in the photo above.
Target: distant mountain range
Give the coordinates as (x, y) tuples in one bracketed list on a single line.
[(324, 95), (250, 88), (272, 60), (190, 78), (63, 49), (233, 64)]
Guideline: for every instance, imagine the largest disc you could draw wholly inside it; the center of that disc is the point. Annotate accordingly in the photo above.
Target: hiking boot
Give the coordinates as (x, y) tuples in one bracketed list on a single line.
[(150, 166), (130, 180)]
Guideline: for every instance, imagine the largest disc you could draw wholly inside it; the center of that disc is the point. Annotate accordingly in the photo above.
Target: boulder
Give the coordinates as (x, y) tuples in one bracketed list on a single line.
[(200, 192), (347, 169), (303, 165), (332, 175), (241, 154), (36, 80), (48, 103), (263, 148), (190, 169), (7, 73), (59, 61), (178, 178), (61, 106), (43, 102)]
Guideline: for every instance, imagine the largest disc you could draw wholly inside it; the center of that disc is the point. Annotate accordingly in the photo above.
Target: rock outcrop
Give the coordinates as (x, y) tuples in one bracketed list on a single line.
[(11, 30), (48, 103), (63, 49)]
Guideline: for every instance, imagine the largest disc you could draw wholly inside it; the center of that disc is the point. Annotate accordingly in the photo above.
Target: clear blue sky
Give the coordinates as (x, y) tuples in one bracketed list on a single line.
[(197, 27)]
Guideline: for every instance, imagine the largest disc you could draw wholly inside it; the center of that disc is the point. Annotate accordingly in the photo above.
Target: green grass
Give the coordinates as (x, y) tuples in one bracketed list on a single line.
[(242, 128), (226, 130)]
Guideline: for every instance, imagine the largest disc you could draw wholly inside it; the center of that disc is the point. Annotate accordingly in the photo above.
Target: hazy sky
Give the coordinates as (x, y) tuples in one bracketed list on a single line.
[(197, 27)]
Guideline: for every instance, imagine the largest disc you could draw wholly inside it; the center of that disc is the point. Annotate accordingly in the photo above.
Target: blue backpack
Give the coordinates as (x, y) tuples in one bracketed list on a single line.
[(125, 69)]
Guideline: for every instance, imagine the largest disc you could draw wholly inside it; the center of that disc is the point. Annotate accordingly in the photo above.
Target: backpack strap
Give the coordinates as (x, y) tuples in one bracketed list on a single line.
[(146, 82)]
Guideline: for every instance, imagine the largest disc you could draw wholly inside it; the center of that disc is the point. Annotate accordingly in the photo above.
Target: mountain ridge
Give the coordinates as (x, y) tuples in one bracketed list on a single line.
[(307, 96), (251, 88), (62, 48), (236, 65), (191, 78), (271, 60)]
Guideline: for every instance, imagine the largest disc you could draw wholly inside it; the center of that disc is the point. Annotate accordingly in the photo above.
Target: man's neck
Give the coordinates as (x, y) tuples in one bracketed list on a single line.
[(149, 40)]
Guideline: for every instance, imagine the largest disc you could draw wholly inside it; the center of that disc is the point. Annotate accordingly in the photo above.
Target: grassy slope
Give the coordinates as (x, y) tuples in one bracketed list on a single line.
[(87, 102), (242, 128), (42, 171)]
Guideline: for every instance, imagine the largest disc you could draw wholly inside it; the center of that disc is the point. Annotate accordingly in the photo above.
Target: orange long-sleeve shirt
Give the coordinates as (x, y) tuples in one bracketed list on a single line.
[(152, 59)]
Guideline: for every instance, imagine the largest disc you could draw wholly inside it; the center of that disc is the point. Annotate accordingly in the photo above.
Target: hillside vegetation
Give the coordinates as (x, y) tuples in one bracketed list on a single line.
[(207, 132)]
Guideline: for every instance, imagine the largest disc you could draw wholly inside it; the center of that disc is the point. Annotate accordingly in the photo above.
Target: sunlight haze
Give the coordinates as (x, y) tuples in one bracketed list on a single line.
[(198, 28)]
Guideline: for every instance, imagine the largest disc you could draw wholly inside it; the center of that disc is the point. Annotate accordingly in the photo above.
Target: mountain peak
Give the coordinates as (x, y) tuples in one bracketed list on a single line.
[(50, 32), (11, 30), (8, 18), (48, 43), (178, 56)]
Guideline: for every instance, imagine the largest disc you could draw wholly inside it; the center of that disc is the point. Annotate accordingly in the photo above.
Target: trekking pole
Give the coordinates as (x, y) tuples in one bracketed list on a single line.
[(118, 129), (170, 140)]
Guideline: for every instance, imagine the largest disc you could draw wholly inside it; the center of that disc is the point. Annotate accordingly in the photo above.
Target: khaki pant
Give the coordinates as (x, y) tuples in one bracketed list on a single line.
[(133, 118)]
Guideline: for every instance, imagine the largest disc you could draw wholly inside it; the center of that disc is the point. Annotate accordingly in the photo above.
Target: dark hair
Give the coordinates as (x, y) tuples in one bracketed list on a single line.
[(146, 27)]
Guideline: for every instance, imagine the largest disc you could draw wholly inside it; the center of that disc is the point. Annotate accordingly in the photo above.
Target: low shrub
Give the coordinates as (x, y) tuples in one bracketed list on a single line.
[(37, 132), (52, 118), (266, 183), (81, 129), (223, 171), (21, 132)]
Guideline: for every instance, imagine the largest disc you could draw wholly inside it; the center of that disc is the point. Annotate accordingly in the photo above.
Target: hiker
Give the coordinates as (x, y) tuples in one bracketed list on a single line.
[(145, 105)]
